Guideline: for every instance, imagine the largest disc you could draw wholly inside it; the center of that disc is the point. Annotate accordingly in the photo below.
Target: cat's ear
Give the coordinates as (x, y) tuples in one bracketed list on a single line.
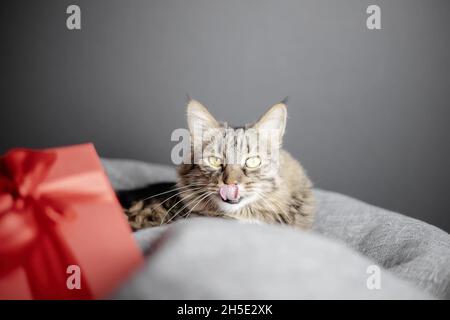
[(199, 118), (274, 119)]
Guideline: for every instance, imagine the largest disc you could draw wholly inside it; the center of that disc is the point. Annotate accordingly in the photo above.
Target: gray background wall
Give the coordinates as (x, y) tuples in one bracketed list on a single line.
[(368, 113)]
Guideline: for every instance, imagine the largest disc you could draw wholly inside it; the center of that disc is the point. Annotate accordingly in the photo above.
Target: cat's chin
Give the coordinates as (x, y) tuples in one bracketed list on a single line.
[(233, 201), (233, 207)]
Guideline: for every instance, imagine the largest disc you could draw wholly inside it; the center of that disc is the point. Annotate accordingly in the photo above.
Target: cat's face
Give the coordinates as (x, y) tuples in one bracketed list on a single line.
[(231, 167)]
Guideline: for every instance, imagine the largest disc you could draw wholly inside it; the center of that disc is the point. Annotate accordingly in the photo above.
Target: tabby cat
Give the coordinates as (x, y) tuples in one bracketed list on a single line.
[(255, 184)]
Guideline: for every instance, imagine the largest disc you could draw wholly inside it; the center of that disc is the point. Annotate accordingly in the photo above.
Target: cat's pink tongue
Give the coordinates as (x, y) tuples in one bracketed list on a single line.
[(229, 192)]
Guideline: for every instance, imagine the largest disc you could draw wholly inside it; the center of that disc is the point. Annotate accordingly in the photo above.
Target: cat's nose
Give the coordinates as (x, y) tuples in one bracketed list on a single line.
[(232, 174), (229, 192)]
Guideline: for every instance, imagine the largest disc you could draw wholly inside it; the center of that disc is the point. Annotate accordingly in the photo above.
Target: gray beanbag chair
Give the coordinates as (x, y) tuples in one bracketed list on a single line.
[(206, 258)]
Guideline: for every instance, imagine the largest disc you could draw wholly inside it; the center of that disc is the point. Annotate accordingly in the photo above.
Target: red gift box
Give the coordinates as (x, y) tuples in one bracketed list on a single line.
[(63, 234)]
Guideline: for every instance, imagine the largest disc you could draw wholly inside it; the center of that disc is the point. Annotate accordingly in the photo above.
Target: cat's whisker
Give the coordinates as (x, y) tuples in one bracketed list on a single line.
[(187, 205), (275, 202), (209, 200), (177, 194), (174, 189), (279, 206), (207, 195), (261, 196), (181, 200)]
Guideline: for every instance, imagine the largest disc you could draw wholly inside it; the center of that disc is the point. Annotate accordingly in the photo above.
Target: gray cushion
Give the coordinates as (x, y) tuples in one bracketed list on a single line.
[(211, 258), (411, 249), (294, 264)]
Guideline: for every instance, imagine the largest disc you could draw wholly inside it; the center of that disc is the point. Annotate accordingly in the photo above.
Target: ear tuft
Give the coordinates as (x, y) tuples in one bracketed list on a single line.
[(198, 117), (285, 100)]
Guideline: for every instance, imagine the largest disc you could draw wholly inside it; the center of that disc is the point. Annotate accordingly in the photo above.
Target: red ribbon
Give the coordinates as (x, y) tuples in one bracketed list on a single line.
[(29, 216)]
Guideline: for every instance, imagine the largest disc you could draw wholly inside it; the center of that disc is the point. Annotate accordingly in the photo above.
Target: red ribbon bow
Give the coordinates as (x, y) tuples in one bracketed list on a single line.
[(29, 216)]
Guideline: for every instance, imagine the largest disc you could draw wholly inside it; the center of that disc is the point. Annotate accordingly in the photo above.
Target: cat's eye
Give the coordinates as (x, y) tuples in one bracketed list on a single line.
[(253, 162), (214, 161)]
